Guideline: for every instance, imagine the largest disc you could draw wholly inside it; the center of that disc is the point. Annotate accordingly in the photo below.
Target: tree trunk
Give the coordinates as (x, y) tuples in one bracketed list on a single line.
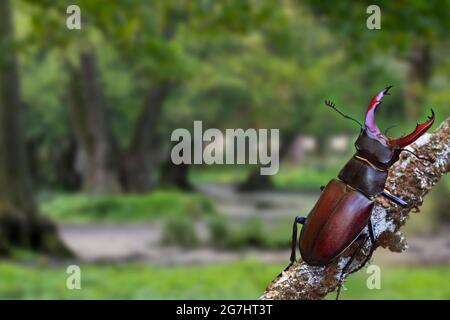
[(31, 149), (257, 182), (98, 155), (410, 179), (420, 68), (322, 146), (138, 174), (63, 160), (176, 175), (97, 150), (20, 223), (57, 168)]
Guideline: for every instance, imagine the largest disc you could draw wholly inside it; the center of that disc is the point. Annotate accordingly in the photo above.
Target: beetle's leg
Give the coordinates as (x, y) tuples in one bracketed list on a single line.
[(419, 157), (361, 237), (347, 265), (371, 233), (293, 258), (394, 199), (372, 249)]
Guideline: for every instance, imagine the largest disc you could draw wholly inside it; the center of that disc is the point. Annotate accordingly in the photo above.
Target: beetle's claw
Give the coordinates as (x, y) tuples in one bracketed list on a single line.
[(386, 90), (370, 115), (432, 114), (420, 129)]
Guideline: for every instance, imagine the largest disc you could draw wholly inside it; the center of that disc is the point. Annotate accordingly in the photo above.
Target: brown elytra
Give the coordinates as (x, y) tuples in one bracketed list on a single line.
[(338, 217)]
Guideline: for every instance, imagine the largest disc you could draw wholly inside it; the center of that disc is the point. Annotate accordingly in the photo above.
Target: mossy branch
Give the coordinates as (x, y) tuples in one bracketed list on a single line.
[(410, 179)]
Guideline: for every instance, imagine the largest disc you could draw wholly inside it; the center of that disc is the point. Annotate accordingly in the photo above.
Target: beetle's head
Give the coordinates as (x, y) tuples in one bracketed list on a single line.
[(377, 146)]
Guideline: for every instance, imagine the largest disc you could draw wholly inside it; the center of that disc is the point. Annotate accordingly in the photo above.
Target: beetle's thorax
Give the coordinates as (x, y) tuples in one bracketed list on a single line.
[(367, 170)]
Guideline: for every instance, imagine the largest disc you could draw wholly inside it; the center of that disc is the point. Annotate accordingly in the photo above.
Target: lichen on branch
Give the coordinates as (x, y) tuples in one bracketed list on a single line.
[(410, 179)]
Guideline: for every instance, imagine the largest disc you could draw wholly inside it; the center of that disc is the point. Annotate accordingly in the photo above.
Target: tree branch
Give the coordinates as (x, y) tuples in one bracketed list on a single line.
[(410, 179)]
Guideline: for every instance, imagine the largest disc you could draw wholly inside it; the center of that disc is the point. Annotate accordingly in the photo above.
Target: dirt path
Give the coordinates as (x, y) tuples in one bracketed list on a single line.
[(125, 243), (141, 242), (267, 205)]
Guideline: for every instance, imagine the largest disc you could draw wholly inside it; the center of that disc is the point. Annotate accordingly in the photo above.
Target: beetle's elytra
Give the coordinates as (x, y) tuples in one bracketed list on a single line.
[(331, 216), (345, 206)]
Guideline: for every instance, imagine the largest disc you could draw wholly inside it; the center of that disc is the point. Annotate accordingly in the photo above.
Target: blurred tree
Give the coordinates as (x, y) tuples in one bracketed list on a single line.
[(139, 69), (104, 166), (145, 36), (154, 40), (411, 29), (51, 145), (20, 223), (268, 76), (97, 157)]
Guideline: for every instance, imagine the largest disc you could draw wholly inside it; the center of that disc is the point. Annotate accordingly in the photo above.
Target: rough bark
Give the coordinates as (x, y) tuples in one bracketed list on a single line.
[(97, 150), (20, 223), (139, 161), (410, 179)]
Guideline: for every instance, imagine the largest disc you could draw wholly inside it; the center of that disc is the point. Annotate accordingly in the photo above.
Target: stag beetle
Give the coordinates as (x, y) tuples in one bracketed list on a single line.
[(345, 205)]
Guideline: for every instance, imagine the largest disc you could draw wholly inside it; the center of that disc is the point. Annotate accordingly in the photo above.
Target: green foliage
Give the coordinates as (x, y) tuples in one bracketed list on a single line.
[(47, 108), (219, 231), (401, 27), (230, 64), (181, 232), (240, 280), (219, 174), (121, 208), (402, 283), (249, 233), (270, 76), (307, 177), (304, 178)]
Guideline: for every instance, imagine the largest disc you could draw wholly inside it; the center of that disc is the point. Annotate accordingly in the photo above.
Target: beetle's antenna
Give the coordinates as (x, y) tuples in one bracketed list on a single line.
[(333, 106), (389, 128), (418, 157)]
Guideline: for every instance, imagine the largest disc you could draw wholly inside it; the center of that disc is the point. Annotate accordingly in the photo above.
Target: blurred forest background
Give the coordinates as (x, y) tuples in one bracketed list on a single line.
[(85, 123)]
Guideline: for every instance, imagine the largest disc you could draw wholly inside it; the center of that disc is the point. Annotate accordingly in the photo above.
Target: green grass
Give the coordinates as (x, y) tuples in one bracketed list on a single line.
[(125, 208), (403, 283), (169, 203), (250, 232), (219, 174), (241, 280), (302, 178)]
